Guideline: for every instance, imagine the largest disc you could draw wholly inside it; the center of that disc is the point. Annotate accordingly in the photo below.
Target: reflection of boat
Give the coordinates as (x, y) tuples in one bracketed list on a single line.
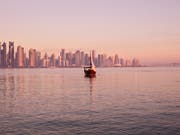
[(90, 71)]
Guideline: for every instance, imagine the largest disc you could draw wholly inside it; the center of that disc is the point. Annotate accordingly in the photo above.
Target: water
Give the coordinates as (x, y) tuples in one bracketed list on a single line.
[(137, 101)]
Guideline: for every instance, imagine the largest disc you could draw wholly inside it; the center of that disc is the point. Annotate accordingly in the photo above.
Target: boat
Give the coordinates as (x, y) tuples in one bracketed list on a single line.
[(90, 71)]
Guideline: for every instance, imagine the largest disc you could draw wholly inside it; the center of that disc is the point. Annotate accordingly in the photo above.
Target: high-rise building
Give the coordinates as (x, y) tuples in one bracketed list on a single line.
[(32, 58), (135, 62), (52, 60), (70, 57), (45, 61), (86, 59), (26, 60), (121, 61), (82, 58), (38, 59), (77, 58), (116, 60), (63, 57), (11, 55), (99, 60), (20, 57), (104, 59), (59, 61), (109, 61), (3, 56), (128, 63)]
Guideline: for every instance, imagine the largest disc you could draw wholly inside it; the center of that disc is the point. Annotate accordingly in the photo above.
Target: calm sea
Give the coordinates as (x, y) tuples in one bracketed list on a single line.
[(123, 101)]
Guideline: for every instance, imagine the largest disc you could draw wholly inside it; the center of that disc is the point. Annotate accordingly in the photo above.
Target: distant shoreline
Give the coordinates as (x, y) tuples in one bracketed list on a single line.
[(82, 67)]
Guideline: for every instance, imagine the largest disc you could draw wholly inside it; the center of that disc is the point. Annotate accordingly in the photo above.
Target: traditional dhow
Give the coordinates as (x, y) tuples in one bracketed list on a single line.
[(90, 71)]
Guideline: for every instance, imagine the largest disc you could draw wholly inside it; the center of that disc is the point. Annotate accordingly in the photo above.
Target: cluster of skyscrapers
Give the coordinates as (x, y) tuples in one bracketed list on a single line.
[(19, 59)]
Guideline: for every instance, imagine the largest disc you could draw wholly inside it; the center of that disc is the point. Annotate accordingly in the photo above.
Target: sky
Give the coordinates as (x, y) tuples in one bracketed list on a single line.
[(145, 29)]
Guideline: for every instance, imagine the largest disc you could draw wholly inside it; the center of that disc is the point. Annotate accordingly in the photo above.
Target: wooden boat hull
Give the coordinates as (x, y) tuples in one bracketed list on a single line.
[(90, 73)]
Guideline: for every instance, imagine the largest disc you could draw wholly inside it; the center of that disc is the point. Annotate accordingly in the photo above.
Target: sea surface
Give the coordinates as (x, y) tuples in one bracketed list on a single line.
[(61, 101)]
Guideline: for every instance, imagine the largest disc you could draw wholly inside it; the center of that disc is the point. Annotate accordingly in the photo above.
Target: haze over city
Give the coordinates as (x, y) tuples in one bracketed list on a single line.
[(147, 30)]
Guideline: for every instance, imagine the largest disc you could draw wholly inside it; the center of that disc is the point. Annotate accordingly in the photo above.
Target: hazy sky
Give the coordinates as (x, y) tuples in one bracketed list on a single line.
[(146, 29)]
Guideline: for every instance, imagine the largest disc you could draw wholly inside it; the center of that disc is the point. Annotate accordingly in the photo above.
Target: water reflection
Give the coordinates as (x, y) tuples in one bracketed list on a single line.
[(119, 100), (7, 85), (91, 80)]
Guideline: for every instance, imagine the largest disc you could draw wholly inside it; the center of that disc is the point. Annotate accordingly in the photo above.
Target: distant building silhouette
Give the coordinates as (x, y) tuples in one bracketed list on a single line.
[(3, 56), (65, 59), (32, 58), (135, 62), (77, 58), (11, 55), (45, 61), (121, 61), (38, 59), (20, 57), (52, 60), (86, 59), (116, 60), (82, 56)]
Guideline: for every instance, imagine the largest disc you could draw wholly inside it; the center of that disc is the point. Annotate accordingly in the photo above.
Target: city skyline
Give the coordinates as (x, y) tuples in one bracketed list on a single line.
[(131, 28), (17, 57)]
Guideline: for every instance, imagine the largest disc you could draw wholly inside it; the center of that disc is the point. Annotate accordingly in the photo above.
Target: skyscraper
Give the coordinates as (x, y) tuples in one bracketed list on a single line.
[(121, 61), (86, 57), (38, 59), (32, 58), (45, 61), (3, 55), (116, 60), (69, 57), (63, 57), (135, 62), (59, 61), (82, 58), (11, 55), (52, 60), (77, 58), (99, 60), (20, 57), (128, 63)]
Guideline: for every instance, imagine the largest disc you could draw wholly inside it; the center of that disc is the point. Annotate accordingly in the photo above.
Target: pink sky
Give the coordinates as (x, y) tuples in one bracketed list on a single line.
[(148, 30)]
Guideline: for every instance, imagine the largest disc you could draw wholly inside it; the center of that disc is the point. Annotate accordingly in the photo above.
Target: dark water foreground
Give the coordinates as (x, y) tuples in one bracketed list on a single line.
[(124, 101)]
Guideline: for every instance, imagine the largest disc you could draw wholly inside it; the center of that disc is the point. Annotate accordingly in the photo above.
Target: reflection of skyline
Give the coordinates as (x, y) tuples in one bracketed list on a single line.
[(8, 93), (12, 83)]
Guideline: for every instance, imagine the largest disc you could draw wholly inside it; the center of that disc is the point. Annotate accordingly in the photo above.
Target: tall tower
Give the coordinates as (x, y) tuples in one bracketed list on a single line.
[(11, 54), (52, 60), (3, 55), (63, 57), (32, 58), (82, 58), (38, 59), (86, 59), (77, 58), (116, 59), (20, 57)]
